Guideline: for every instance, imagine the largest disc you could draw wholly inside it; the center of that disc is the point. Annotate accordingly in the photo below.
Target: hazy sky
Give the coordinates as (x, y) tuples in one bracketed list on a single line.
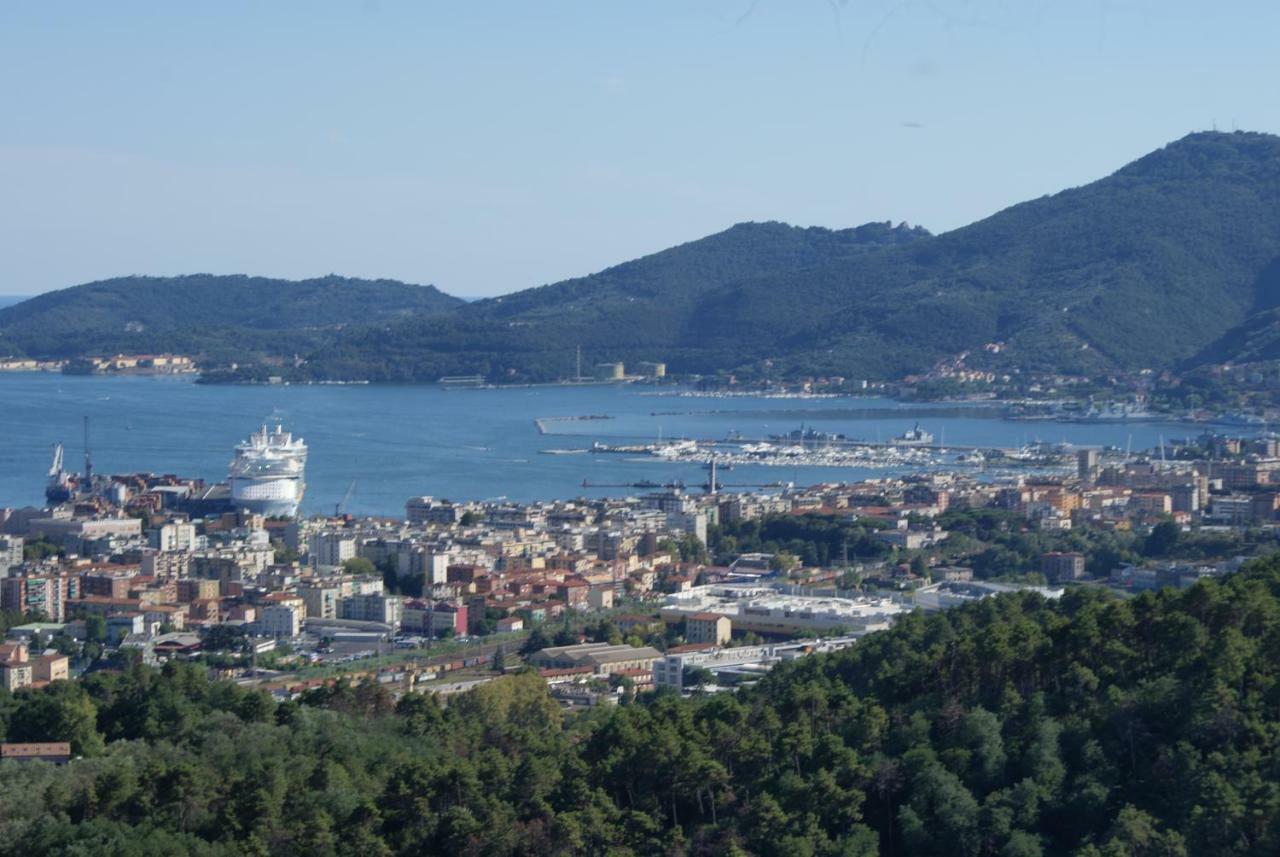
[(486, 147)]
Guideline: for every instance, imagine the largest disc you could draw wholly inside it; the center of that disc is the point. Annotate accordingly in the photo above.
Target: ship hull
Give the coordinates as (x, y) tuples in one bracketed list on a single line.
[(273, 498), (269, 508)]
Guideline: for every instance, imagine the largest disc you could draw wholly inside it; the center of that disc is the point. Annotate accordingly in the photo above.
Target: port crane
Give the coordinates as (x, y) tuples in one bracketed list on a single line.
[(342, 504)]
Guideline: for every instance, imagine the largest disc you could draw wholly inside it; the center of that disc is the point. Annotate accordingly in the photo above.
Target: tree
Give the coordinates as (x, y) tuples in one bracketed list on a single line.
[(95, 628), (782, 561), (360, 567), (696, 676), (1163, 539), (60, 712), (535, 642)]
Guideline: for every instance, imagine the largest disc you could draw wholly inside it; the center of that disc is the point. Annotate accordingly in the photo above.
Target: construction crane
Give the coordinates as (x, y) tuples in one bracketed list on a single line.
[(88, 461), (342, 504)]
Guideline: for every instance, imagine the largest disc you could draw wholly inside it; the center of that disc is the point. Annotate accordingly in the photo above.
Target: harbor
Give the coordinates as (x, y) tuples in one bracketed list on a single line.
[(377, 446)]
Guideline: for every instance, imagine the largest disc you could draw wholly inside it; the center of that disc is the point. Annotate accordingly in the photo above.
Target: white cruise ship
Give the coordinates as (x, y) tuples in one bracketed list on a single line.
[(267, 474)]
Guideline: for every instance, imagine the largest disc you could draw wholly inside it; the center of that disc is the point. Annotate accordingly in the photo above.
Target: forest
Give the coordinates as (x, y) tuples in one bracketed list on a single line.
[(1094, 726)]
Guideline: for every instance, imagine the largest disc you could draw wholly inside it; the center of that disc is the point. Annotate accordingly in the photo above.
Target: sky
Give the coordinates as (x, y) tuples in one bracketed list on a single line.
[(486, 147)]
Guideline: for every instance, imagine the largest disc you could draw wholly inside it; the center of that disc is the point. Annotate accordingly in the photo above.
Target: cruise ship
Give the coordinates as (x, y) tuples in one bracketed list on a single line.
[(267, 474)]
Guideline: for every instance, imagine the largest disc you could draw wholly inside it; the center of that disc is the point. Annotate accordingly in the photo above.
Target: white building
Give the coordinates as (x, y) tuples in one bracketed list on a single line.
[(174, 536), (953, 593), (10, 553), (741, 663), (767, 610), (330, 548), (279, 620), (376, 607)]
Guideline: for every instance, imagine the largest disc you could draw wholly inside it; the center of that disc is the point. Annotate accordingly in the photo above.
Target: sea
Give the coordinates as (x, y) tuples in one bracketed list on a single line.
[(374, 446)]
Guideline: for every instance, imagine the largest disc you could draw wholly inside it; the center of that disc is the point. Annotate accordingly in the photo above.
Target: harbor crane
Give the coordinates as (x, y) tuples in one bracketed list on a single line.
[(346, 498)]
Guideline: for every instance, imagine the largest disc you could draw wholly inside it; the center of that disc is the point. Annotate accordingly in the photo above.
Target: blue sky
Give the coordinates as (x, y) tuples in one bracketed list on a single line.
[(490, 146)]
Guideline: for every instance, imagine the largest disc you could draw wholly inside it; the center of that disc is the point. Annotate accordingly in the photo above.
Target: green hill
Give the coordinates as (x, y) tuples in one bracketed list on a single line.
[(1095, 726), (202, 311), (1146, 268), (1171, 262), (642, 309)]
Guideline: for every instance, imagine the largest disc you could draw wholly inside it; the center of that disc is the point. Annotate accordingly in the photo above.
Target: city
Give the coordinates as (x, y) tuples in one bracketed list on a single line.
[(666, 429), (638, 592)]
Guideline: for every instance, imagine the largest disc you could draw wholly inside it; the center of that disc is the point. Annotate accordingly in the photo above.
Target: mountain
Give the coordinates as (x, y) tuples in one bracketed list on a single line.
[(644, 309), (1154, 266), (1171, 262), (204, 311)]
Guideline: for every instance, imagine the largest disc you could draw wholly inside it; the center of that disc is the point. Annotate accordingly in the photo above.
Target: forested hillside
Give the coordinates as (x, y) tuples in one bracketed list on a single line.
[(1115, 275), (1172, 261), (1014, 726), (646, 309), (203, 313)]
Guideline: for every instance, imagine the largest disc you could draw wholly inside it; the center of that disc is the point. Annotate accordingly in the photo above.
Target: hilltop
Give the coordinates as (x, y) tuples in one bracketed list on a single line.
[(199, 312)]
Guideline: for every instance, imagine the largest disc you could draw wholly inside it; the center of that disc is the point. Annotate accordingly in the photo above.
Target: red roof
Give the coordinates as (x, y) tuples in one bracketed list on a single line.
[(35, 750)]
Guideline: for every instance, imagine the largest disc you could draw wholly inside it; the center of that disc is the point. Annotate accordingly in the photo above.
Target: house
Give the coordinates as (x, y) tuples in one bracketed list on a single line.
[(57, 752), (508, 624), (15, 669), (51, 666), (711, 628), (1059, 567), (633, 621)]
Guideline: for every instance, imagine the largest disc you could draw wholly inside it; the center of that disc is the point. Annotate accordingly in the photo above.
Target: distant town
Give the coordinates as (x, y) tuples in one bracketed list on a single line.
[(686, 590)]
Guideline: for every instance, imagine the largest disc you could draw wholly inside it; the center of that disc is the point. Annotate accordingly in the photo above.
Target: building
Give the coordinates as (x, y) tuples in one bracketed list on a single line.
[(10, 553), (174, 536), (280, 620), (1087, 465), (108, 581), (507, 624), (51, 666), (330, 549), (945, 595), (125, 624), (601, 657), (320, 599), (435, 619), (711, 628), (46, 594), (15, 669), (57, 752), (197, 589), (427, 510), (766, 610), (1150, 504), (73, 533), (600, 598), (375, 607), (1060, 567), (744, 663)]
